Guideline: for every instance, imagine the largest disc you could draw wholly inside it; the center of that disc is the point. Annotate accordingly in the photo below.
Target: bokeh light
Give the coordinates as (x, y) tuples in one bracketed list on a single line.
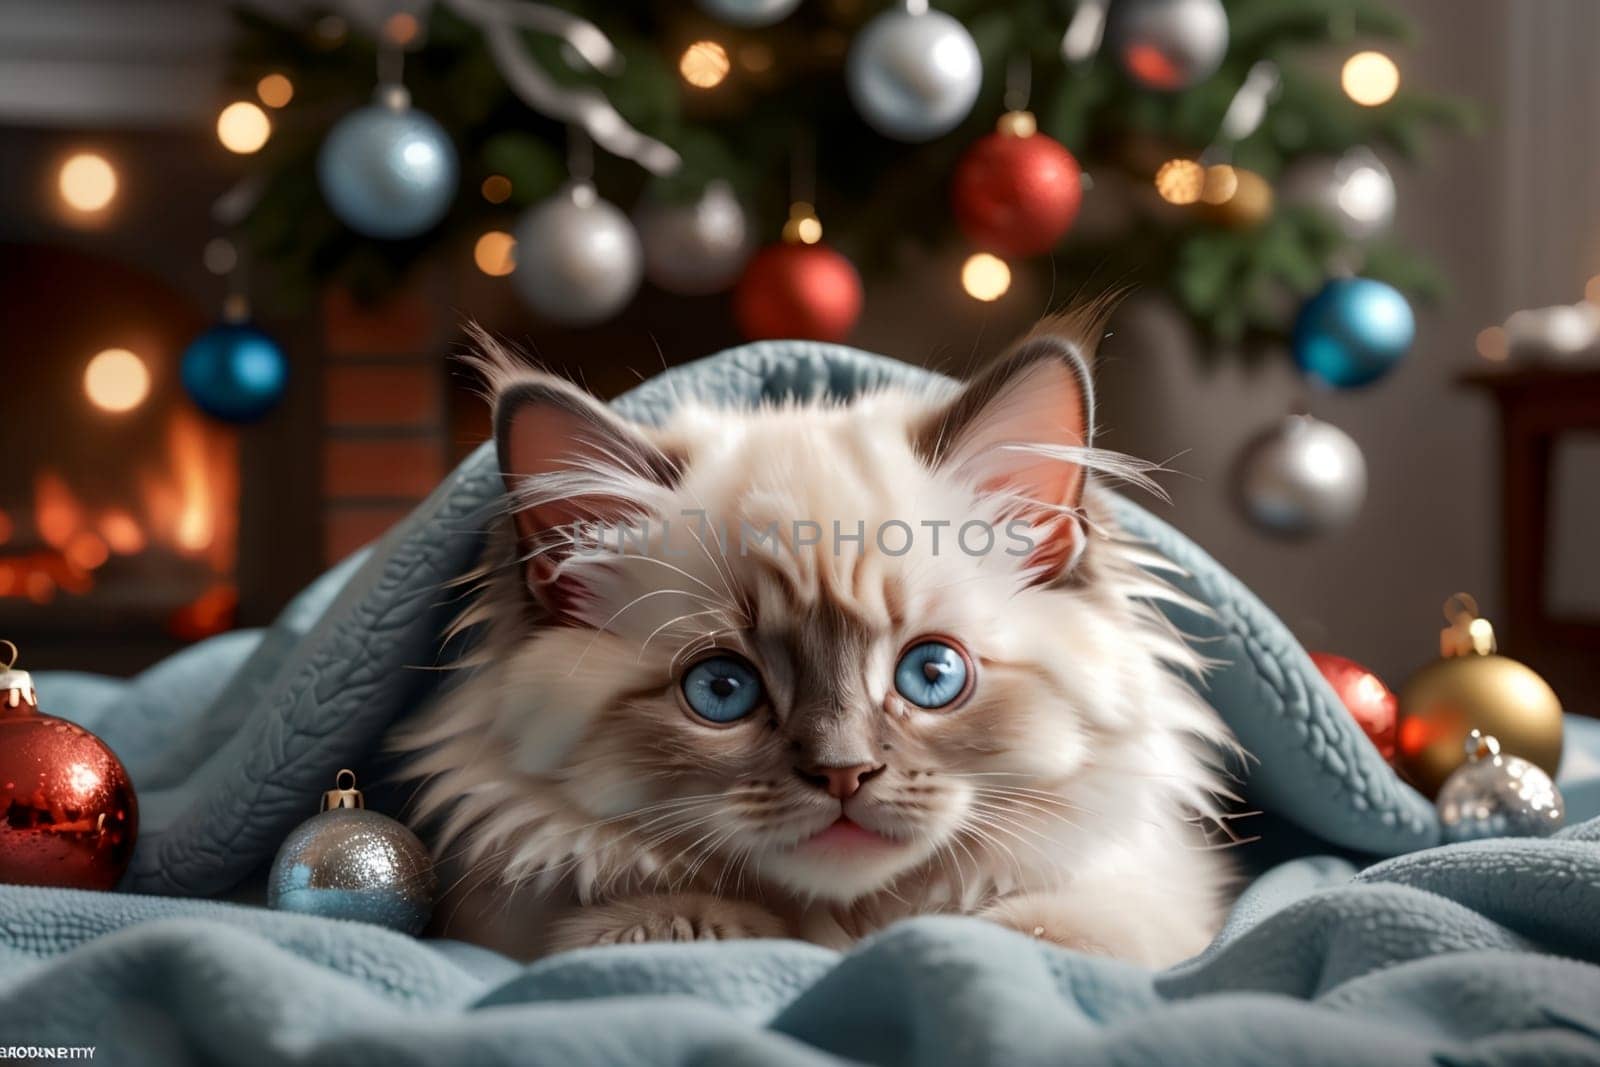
[(116, 380), (275, 90), (756, 57), (985, 277), (86, 550), (803, 225), (220, 256), (88, 182), (243, 127), (495, 253), (704, 64), (1180, 181), (1221, 182), (121, 532), (496, 188), (1370, 78), (1493, 344), (402, 28)]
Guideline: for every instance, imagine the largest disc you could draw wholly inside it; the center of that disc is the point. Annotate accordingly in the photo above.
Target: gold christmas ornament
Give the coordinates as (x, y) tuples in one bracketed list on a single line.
[(1469, 688)]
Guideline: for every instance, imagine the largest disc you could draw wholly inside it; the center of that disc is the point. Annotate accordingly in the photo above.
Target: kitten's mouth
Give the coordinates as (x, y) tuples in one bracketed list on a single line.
[(843, 833)]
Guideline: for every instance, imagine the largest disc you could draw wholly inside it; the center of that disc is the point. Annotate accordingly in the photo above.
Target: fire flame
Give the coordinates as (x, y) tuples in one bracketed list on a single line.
[(192, 504), (188, 505)]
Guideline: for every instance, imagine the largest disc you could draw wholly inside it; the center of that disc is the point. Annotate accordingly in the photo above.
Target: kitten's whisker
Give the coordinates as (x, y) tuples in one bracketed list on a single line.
[(672, 622)]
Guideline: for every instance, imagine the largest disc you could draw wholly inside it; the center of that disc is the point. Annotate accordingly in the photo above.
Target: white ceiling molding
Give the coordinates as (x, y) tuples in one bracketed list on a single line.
[(101, 63)]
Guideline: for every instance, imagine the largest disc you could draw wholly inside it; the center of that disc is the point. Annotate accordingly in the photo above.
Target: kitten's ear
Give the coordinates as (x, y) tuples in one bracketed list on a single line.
[(567, 459), (1020, 429)]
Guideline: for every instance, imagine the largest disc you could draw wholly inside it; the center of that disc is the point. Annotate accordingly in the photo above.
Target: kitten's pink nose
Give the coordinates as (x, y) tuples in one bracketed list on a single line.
[(841, 782)]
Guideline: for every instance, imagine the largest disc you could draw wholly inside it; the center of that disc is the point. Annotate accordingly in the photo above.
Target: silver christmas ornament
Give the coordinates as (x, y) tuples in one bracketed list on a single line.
[(914, 75), (1168, 44), (350, 863), (388, 170), (1355, 190), (749, 12), (1494, 795), (578, 258), (695, 247), (1301, 477)]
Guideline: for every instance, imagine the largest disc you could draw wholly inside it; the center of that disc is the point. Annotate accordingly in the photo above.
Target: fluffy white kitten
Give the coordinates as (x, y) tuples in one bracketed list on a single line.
[(755, 723)]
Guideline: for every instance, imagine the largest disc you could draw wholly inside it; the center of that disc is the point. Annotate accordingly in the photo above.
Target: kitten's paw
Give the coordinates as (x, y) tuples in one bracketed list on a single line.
[(680, 917), (1047, 919)]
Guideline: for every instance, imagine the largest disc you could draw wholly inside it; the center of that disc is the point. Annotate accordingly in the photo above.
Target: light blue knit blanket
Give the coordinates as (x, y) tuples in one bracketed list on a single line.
[(1481, 953)]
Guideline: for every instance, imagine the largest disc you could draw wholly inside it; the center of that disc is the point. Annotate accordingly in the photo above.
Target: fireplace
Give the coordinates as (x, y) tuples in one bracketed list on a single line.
[(119, 501)]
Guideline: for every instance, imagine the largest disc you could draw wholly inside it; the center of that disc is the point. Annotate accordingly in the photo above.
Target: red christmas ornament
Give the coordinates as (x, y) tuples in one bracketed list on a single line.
[(69, 811), (798, 288), (1016, 191), (1364, 695)]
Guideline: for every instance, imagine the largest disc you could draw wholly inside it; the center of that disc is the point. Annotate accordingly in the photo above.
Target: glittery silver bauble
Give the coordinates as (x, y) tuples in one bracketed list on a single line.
[(914, 77), (1300, 477), (1168, 44), (350, 863), (749, 12), (1493, 795), (1355, 190), (578, 257), (388, 170), (695, 247)]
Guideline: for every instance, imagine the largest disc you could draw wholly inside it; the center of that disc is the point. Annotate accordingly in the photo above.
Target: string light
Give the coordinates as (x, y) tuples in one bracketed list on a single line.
[(1370, 78), (116, 380), (495, 253), (243, 127), (704, 64), (496, 188), (1180, 181), (275, 90), (88, 182), (985, 277)]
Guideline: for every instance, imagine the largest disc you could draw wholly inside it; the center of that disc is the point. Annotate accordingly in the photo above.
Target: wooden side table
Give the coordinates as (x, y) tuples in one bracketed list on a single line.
[(1537, 405)]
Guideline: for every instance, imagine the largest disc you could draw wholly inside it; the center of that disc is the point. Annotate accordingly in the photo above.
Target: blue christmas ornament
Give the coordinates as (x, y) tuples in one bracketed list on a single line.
[(234, 372), (1353, 332), (387, 170)]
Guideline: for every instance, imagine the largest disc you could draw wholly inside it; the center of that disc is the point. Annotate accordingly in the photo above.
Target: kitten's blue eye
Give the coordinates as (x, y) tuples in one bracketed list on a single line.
[(932, 674), (722, 689)]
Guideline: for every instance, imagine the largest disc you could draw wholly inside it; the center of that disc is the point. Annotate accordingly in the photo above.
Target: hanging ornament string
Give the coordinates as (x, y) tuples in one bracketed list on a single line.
[(1085, 32), (391, 61), (1019, 82), (501, 22)]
